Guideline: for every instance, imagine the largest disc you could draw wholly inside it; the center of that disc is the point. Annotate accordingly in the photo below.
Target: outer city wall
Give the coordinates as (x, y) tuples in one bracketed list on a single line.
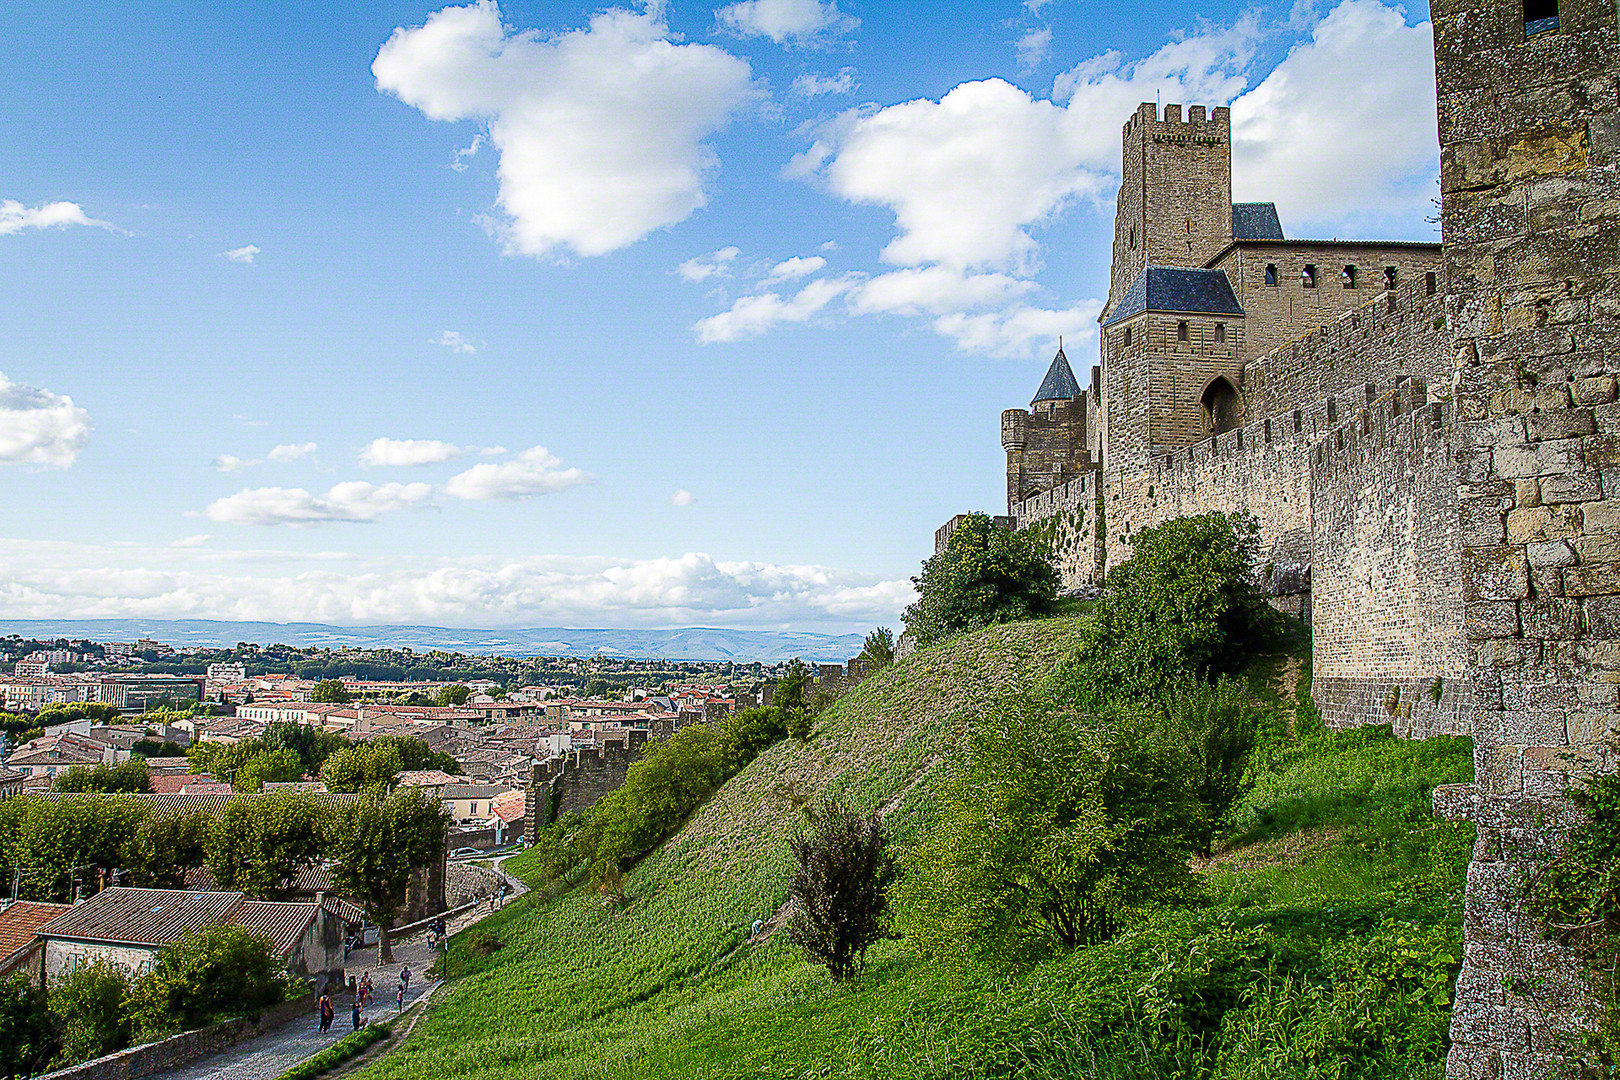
[(1387, 630)]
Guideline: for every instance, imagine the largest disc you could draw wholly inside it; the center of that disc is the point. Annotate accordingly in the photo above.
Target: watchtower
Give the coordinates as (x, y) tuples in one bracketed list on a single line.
[(1046, 444), (1175, 195)]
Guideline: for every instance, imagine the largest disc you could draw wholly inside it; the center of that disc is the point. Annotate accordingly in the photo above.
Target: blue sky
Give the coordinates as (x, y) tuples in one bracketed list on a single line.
[(556, 314)]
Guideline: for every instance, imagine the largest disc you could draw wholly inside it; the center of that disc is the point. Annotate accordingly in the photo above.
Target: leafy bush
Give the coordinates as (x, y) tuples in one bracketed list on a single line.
[(984, 576), (743, 735), (1219, 727), (89, 1003), (1061, 828), (29, 1034), (840, 886), (367, 766), (269, 767), (879, 648), (207, 975), (1185, 605)]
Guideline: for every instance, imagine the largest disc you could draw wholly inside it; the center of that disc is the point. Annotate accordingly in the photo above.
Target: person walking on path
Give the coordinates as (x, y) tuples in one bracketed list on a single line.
[(400, 997), (404, 978), (365, 988), (354, 1014), (327, 1012)]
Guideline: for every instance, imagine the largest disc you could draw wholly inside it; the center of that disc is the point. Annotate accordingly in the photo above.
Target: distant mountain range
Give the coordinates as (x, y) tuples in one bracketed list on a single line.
[(686, 643)]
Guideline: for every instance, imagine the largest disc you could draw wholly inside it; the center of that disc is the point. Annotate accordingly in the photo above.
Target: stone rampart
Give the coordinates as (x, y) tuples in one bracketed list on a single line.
[(1387, 615), (572, 782), (153, 1058), (1069, 512)]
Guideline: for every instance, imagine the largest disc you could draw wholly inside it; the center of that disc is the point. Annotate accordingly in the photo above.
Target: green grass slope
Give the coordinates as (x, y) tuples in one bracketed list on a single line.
[(1327, 951)]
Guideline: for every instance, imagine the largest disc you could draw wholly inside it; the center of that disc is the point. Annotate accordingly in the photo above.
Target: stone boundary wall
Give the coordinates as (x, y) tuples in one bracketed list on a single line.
[(152, 1058), (1387, 628), (1071, 508), (572, 782), (1398, 335)]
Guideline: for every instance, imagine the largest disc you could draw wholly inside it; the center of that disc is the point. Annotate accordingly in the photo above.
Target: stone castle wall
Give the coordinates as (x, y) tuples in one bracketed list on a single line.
[(1387, 627), (1069, 513), (572, 782)]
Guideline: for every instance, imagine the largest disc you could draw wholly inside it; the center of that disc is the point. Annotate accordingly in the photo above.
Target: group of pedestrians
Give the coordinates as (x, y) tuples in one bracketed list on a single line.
[(362, 1000)]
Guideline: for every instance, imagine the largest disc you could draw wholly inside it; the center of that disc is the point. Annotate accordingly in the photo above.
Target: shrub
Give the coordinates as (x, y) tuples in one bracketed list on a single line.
[(984, 576), (1219, 728), (1062, 826), (207, 975), (840, 888), (128, 777), (89, 1002), (1185, 605), (744, 735), (29, 1034)]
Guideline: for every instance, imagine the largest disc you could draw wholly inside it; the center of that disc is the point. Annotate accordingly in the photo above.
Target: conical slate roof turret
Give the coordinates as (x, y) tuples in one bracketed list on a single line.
[(1059, 382)]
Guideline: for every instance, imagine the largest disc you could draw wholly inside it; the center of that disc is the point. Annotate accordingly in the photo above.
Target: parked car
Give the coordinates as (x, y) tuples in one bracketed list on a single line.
[(465, 853)]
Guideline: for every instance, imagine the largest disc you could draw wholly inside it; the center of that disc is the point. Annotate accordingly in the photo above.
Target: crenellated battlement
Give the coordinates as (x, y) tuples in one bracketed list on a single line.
[(1200, 123)]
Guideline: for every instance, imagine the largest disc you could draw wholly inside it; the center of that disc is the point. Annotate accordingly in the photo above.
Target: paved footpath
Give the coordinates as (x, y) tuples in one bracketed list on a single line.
[(277, 1050)]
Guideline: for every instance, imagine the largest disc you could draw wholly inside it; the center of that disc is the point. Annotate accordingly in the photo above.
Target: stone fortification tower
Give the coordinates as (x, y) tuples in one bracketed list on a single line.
[(1046, 443), (1530, 182), (1175, 194)]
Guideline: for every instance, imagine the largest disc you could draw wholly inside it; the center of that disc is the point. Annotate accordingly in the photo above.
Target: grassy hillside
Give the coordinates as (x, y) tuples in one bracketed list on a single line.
[(1339, 885)]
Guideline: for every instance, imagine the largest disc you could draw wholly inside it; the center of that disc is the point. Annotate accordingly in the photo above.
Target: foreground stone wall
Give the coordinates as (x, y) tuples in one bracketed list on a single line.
[(1069, 512), (1387, 626), (572, 782), (1530, 204)]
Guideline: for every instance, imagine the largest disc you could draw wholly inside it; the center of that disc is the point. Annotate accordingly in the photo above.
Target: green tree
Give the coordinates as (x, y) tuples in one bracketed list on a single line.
[(151, 748), (363, 767), (879, 648), (1057, 831), (259, 845), (984, 576), (378, 843), (128, 777), (330, 692), (89, 1003), (72, 841), (165, 845), (792, 689), (454, 695), (744, 735), (222, 971), (269, 767), (312, 745), (1186, 604), (66, 713), (29, 1034), (415, 754), (840, 888), (661, 788)]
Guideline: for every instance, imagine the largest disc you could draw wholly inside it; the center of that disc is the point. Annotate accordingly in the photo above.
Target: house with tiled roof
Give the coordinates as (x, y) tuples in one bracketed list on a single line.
[(52, 754), (130, 927), (20, 947)]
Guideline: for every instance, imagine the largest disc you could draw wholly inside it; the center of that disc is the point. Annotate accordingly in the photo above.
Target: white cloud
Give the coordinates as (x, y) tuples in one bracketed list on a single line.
[(15, 217), (456, 342), (1033, 47), (753, 315), (291, 451), (682, 497), (533, 472), (353, 500), (810, 84), (797, 23), (492, 451), (1018, 331), (704, 267), (797, 267), (60, 580), (601, 132), (1014, 160), (196, 541), (935, 290), (231, 463), (458, 159), (241, 254), (1327, 143), (38, 427), (406, 452)]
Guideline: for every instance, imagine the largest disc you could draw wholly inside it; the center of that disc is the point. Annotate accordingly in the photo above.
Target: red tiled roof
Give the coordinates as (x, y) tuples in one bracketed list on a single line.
[(20, 921), (142, 916), (283, 924)]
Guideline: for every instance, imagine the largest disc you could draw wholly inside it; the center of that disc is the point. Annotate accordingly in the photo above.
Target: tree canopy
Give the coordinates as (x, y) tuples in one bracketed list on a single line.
[(985, 575)]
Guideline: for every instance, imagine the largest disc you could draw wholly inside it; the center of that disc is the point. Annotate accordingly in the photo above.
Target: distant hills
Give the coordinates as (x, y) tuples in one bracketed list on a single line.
[(686, 643)]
